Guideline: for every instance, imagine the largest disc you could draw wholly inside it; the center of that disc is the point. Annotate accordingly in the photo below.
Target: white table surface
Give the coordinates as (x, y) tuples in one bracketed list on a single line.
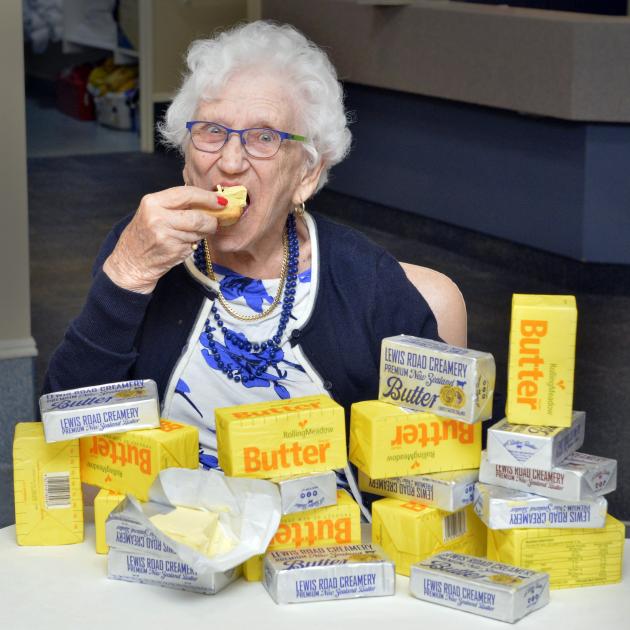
[(66, 587)]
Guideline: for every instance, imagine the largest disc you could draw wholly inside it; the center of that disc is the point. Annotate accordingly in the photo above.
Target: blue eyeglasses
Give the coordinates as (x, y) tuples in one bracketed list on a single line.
[(260, 143)]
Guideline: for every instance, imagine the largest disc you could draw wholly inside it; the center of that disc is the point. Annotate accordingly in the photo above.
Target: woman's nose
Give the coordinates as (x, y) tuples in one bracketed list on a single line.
[(233, 156)]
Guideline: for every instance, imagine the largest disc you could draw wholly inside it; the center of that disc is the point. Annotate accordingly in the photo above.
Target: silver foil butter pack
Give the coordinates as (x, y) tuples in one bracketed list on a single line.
[(580, 476), (502, 508), (111, 408), (166, 571), (483, 587), (533, 445), (448, 491), (426, 375), (299, 493), (326, 573)]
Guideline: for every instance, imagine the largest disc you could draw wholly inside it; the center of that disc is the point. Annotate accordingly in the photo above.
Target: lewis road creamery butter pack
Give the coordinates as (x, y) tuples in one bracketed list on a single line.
[(425, 375), (448, 491), (389, 441), (580, 476), (279, 438), (541, 360), (500, 508), (325, 573), (299, 493), (111, 408), (535, 445), (479, 586)]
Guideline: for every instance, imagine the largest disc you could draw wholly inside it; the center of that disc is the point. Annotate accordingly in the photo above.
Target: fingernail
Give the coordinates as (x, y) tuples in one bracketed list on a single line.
[(222, 200)]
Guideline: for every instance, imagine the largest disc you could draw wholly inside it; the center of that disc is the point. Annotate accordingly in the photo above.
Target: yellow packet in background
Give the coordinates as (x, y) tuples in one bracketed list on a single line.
[(129, 462), (47, 485), (541, 360), (273, 439), (389, 441), (571, 557), (409, 531), (104, 502), (338, 524)]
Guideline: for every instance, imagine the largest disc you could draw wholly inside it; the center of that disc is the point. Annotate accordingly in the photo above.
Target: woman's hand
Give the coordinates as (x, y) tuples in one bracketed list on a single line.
[(161, 235)]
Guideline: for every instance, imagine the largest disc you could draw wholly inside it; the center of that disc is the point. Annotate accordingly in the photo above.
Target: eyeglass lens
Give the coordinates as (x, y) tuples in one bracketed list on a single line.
[(211, 137)]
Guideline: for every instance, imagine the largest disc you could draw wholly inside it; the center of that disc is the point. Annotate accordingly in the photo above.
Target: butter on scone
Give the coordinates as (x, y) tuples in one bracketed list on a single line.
[(237, 200)]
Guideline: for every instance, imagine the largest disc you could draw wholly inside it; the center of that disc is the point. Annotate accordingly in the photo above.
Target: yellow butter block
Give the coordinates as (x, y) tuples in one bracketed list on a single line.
[(541, 360), (409, 531), (389, 441), (236, 195), (271, 439), (197, 528), (129, 462), (104, 502), (47, 485), (338, 524), (572, 557)]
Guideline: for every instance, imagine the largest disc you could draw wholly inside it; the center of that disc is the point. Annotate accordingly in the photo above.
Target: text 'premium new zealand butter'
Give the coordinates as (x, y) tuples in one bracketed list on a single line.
[(541, 360), (389, 441), (270, 439)]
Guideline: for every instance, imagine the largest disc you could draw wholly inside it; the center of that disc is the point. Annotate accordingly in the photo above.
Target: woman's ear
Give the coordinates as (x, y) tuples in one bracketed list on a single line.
[(308, 183)]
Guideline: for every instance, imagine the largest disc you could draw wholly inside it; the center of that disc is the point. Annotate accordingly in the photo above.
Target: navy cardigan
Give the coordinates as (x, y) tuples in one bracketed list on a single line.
[(363, 296)]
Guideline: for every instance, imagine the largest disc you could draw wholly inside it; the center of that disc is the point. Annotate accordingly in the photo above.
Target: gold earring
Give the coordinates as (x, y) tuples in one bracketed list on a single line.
[(299, 211)]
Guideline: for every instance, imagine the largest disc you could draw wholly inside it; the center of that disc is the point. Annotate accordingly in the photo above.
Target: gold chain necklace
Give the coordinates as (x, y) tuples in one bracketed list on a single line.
[(276, 299)]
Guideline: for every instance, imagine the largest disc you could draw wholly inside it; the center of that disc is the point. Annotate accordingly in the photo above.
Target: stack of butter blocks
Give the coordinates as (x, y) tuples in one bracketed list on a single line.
[(109, 436), (419, 446), (297, 443), (542, 500)]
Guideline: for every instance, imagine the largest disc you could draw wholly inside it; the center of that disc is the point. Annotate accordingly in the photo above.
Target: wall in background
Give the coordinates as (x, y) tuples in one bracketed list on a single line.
[(555, 185), (17, 347)]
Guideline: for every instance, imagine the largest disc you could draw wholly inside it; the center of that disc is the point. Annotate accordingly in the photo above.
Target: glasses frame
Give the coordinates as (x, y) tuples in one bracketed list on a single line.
[(284, 135)]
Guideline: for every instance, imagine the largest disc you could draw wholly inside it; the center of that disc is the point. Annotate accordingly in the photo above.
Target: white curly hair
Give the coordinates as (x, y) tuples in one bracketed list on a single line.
[(308, 72)]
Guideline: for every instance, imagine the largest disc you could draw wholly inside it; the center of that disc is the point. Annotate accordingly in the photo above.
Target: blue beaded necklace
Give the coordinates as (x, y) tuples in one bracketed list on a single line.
[(271, 347)]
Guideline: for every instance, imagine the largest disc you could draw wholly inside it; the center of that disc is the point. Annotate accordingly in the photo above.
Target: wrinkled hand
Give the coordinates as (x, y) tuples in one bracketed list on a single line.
[(160, 236)]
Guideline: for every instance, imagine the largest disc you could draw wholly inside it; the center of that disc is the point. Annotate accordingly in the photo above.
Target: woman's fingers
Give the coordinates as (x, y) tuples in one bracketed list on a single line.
[(181, 208), (160, 236), (189, 197)]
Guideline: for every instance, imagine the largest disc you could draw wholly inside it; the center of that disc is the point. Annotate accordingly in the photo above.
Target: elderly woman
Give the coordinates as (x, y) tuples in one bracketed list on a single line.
[(280, 304)]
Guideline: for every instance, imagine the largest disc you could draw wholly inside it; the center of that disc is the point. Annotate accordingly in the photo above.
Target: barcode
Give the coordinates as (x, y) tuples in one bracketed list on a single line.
[(57, 490), (454, 525)]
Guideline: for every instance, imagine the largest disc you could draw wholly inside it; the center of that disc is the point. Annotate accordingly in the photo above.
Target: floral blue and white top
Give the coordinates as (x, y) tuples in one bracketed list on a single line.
[(198, 385)]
